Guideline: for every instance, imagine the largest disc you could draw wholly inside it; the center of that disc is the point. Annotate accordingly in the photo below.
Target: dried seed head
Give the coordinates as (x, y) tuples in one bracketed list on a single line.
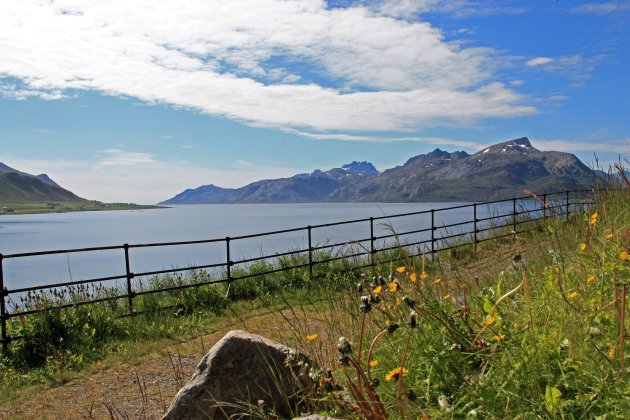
[(365, 306), (411, 396), (410, 302), (344, 346), (392, 327), (412, 321)]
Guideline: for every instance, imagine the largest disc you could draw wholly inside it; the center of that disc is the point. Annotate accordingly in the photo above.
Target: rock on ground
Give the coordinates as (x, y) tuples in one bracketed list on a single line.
[(242, 373)]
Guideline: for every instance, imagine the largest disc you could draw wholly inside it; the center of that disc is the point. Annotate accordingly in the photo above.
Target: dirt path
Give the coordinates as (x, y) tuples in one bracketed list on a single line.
[(142, 389)]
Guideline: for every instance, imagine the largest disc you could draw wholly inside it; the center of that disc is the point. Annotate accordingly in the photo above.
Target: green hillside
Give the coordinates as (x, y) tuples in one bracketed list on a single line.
[(18, 187)]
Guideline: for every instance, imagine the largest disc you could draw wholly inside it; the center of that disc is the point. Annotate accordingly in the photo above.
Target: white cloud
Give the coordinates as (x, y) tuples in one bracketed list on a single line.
[(576, 67), (539, 61), (377, 139), (119, 157), (475, 8), (558, 98), (621, 146), (602, 8), (229, 59), (404, 8)]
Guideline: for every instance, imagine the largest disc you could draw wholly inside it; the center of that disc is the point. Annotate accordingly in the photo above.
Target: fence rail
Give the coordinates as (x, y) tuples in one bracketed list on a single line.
[(436, 238)]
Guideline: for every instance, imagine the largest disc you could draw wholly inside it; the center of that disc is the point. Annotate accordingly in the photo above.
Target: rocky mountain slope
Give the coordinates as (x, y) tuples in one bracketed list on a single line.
[(300, 188), (499, 171)]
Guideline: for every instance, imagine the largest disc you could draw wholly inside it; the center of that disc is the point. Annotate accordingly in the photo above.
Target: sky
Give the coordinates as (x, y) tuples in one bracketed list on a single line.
[(136, 101)]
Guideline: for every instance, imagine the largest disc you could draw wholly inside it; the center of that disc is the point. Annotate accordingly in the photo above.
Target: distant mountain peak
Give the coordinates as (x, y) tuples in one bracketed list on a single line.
[(438, 155), (520, 146), (363, 167), (46, 180)]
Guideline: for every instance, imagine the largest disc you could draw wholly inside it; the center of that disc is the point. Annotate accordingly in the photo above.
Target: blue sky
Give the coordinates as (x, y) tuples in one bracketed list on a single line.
[(138, 100)]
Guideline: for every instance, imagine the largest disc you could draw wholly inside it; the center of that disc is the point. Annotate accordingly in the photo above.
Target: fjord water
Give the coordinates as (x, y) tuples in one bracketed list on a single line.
[(42, 232)]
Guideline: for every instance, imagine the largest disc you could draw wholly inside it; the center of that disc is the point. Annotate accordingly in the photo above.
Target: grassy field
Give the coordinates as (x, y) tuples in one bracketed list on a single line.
[(529, 326), (62, 207)]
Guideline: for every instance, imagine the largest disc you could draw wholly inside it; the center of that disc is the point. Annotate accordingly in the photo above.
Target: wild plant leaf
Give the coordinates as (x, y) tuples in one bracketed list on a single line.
[(552, 396), (487, 305)]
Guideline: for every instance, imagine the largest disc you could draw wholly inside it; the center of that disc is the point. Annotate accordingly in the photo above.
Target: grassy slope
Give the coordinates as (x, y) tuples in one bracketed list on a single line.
[(18, 188), (545, 350)]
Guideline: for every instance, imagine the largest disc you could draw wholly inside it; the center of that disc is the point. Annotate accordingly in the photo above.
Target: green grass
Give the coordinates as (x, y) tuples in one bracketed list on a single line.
[(66, 206), (528, 326), (542, 338)]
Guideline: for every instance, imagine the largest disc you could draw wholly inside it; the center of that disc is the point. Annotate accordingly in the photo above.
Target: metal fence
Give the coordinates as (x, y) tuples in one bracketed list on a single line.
[(364, 250)]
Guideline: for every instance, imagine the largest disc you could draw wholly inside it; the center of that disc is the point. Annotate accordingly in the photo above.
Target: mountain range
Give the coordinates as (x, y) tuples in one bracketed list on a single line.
[(21, 187), (499, 171)]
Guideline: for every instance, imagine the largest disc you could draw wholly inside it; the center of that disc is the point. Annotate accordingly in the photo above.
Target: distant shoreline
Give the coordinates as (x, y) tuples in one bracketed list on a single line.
[(8, 209)]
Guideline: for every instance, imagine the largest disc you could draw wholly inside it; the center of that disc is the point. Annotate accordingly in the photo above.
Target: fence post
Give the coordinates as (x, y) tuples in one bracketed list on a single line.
[(568, 204), (514, 213), (372, 251), (228, 262), (544, 205), (130, 276), (3, 309), (432, 232), (475, 226), (310, 253)]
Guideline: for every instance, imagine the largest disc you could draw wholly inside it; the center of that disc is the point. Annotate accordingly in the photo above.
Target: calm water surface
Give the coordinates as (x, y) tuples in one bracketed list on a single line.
[(39, 232)]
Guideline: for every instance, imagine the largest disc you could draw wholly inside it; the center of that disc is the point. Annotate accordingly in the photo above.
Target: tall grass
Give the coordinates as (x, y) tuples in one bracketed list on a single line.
[(543, 337)]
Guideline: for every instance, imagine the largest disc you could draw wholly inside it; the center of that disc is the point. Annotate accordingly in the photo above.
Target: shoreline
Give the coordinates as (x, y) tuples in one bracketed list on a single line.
[(9, 209)]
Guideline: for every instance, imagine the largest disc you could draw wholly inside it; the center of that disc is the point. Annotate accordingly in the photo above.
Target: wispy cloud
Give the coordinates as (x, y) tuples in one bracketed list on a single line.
[(456, 8), (577, 68), (539, 61), (621, 146), (235, 61), (602, 8), (120, 157), (378, 139)]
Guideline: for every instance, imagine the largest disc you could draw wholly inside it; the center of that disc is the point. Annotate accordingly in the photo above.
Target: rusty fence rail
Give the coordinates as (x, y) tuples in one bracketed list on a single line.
[(364, 250)]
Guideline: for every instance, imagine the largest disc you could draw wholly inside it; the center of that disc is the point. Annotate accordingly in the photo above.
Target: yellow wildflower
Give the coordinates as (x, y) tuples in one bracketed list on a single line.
[(413, 277), (437, 281), (398, 301), (395, 374), (593, 218), (424, 275), (311, 337), (609, 236), (324, 382), (373, 363), (624, 255), (590, 278), (499, 337), (582, 246), (572, 295), (401, 269), (612, 352), (490, 321), (394, 286), (377, 290)]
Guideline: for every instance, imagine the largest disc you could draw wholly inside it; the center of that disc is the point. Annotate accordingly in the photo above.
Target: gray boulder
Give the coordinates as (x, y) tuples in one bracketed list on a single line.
[(242, 373)]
